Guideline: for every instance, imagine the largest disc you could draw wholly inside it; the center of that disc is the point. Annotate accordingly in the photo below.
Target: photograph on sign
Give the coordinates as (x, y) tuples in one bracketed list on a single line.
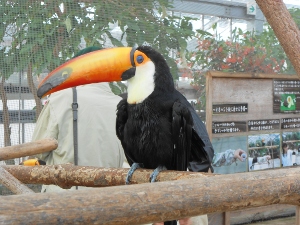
[(230, 154), (286, 96), (264, 151), (290, 149)]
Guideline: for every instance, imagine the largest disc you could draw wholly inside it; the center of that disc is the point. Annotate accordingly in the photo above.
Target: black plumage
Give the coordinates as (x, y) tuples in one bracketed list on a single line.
[(164, 129)]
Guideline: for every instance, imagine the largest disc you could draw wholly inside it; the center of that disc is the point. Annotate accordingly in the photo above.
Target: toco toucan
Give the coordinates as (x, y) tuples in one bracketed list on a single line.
[(156, 125)]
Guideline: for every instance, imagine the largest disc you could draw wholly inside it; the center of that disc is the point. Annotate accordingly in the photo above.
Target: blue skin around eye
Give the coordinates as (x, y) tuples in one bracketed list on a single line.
[(139, 59)]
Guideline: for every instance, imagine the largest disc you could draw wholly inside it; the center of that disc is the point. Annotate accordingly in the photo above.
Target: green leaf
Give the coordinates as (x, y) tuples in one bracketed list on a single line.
[(203, 32), (113, 40), (41, 40), (133, 25), (240, 32), (26, 49), (214, 26), (115, 89), (170, 30), (68, 24)]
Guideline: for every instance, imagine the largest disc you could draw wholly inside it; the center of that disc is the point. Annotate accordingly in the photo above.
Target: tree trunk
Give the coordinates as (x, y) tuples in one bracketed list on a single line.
[(161, 201), (12, 183), (6, 123), (28, 149), (33, 90), (285, 29), (68, 175)]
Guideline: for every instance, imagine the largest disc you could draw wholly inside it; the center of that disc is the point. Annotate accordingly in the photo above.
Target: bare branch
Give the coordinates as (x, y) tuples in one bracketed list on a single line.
[(12, 183), (68, 175), (27, 149), (152, 202)]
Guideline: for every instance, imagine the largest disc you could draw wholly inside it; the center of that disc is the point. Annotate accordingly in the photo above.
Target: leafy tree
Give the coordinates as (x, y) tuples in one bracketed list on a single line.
[(44, 34), (244, 52)]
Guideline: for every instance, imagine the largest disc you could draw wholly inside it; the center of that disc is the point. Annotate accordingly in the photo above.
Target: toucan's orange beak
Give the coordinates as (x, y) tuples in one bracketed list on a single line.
[(33, 162), (105, 65)]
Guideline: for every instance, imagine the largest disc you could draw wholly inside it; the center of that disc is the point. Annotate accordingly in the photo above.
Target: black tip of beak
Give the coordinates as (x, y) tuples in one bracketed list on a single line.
[(53, 81), (128, 74), (44, 89)]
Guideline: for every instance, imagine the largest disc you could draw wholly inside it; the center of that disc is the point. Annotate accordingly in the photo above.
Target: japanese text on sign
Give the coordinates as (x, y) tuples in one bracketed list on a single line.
[(228, 127), (256, 125), (230, 108), (290, 123), (286, 87)]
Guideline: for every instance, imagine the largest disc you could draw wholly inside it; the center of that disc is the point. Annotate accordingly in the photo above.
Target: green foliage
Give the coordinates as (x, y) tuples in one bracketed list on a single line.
[(47, 33), (117, 87), (243, 52)]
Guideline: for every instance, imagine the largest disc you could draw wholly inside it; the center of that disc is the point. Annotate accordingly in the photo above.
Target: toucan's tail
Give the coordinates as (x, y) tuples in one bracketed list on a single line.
[(173, 222)]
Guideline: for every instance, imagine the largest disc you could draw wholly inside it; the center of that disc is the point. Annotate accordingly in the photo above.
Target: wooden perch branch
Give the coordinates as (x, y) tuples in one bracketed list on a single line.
[(27, 149), (161, 201), (285, 28), (12, 183), (68, 175)]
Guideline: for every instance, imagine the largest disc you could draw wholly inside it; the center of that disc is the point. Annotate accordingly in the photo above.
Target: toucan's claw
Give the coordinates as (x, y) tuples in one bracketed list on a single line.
[(133, 167), (156, 172)]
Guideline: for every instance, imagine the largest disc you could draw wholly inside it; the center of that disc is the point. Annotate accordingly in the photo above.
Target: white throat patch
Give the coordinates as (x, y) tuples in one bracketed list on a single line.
[(142, 84)]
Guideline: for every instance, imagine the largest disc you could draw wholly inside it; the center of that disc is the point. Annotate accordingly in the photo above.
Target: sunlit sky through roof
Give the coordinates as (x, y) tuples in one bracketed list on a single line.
[(293, 2)]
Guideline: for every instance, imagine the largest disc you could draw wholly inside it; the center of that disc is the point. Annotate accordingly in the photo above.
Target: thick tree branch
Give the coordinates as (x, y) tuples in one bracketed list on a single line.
[(68, 175), (12, 183), (151, 202), (27, 149)]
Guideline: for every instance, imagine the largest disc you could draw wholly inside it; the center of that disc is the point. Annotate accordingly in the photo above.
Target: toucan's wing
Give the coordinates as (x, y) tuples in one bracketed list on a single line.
[(202, 151), (182, 124), (122, 117), (199, 160)]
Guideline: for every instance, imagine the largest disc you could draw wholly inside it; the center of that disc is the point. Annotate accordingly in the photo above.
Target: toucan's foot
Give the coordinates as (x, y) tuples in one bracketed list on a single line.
[(133, 167), (156, 172)]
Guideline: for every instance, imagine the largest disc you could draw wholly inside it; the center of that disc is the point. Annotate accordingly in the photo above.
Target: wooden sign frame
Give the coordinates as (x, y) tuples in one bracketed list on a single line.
[(210, 100), (211, 75)]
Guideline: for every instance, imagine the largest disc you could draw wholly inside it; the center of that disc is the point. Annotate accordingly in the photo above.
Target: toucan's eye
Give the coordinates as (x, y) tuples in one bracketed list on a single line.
[(139, 59)]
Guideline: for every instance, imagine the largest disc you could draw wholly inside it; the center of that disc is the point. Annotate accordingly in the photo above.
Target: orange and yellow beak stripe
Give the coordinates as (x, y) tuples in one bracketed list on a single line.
[(105, 65)]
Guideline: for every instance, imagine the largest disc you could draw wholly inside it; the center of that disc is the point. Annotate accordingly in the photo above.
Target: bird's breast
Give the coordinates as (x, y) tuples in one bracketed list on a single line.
[(148, 135)]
